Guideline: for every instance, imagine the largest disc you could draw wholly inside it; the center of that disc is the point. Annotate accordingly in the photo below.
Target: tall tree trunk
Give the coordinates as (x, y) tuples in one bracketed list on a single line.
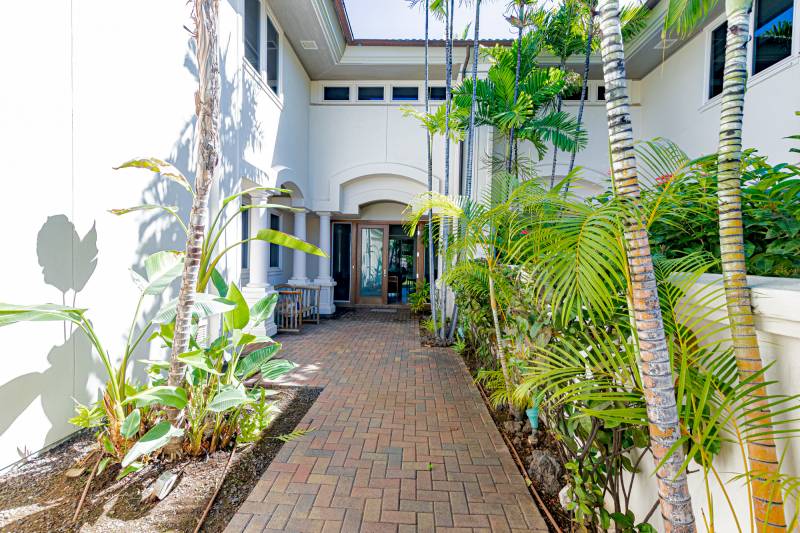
[(207, 100), (654, 359), (448, 103), (429, 146), (471, 134), (501, 353), (767, 499), (510, 161), (584, 88), (559, 103)]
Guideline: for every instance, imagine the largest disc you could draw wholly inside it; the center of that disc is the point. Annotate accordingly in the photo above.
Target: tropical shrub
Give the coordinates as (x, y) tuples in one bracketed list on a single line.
[(420, 298), (770, 207)]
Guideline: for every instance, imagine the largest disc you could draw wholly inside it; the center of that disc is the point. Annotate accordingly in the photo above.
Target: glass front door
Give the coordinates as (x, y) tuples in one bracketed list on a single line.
[(372, 258)]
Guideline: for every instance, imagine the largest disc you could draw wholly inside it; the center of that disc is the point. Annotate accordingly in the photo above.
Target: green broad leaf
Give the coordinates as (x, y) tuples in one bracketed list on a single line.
[(241, 338), (228, 398), (87, 417), (276, 368), (164, 394), (219, 283), (161, 269), (288, 241), (239, 316), (144, 207), (155, 365), (199, 359), (158, 436), (130, 426), (107, 445), (101, 466), (167, 170), (11, 314), (262, 309), (205, 305), (252, 362), (130, 469)]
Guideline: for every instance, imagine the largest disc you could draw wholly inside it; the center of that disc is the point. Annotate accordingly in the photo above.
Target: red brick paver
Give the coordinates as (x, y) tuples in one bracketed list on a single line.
[(403, 441)]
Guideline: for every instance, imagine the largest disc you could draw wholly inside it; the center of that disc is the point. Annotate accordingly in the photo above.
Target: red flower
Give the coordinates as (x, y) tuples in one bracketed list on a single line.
[(664, 179), (524, 232)]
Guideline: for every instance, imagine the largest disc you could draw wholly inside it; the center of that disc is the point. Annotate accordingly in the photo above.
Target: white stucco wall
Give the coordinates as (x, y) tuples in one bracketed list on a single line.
[(778, 327), (85, 100)]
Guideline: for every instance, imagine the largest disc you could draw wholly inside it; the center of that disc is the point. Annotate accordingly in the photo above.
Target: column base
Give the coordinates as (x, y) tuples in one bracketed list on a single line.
[(326, 305), (253, 294)]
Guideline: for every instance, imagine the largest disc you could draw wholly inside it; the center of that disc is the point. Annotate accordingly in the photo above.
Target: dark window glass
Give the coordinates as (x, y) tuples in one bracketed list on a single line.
[(437, 93), (717, 67), (601, 92), (341, 262), (274, 249), (252, 32), (772, 33), (370, 93), (337, 93), (245, 235), (405, 93), (272, 56)]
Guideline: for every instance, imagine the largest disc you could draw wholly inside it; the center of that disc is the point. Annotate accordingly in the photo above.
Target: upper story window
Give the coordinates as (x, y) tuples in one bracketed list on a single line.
[(274, 249), (263, 55), (405, 93), (601, 93), (717, 67), (245, 220), (336, 93), (370, 93), (437, 93), (573, 93), (772, 32)]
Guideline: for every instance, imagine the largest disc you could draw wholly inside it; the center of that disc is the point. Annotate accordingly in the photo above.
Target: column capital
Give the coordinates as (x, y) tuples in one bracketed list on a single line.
[(324, 213)]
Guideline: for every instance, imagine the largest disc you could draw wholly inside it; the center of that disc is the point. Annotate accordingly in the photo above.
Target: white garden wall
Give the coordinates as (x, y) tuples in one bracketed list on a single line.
[(775, 301)]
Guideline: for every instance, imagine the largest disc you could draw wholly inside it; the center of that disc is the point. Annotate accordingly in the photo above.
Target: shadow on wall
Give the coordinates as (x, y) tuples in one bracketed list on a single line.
[(56, 242)]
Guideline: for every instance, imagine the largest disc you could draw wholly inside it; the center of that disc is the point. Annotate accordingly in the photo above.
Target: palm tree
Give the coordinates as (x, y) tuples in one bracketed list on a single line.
[(519, 22), (429, 148), (683, 15), (471, 130), (676, 504), (206, 15), (449, 17)]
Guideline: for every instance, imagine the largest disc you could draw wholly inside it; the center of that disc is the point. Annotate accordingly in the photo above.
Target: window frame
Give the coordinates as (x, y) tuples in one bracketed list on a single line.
[(279, 267), (337, 86), (794, 48), (260, 74), (405, 87), (382, 88)]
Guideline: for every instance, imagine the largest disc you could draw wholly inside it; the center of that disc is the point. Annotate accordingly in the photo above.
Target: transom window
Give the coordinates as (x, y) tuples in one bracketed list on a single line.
[(336, 93), (717, 66), (772, 32), (265, 60), (405, 93), (437, 93), (370, 93)]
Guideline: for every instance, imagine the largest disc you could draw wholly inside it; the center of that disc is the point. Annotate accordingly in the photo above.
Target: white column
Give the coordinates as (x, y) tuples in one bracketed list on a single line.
[(259, 287), (299, 261), (324, 280)]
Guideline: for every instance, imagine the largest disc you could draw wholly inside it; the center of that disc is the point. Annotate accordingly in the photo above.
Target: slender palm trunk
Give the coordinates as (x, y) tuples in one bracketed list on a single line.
[(429, 141), (767, 500), (208, 150), (471, 134), (501, 353), (510, 161), (559, 103), (584, 89), (654, 359), (449, 104)]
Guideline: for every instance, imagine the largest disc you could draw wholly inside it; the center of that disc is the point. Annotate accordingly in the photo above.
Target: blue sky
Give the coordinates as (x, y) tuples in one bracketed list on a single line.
[(393, 19)]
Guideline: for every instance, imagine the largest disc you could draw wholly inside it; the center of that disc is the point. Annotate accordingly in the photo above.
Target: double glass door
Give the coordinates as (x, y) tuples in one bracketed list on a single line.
[(384, 266)]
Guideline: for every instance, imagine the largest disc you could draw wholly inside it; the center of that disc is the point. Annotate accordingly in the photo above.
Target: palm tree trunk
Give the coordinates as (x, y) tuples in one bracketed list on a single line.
[(654, 359), (501, 354), (429, 141), (559, 103), (208, 149), (767, 499), (510, 161), (584, 89), (471, 133), (448, 103)]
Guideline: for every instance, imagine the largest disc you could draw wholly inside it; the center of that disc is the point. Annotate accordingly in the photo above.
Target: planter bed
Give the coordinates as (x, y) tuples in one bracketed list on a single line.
[(37, 496)]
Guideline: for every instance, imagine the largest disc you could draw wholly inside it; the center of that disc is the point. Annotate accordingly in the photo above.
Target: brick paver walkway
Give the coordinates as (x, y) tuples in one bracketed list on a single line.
[(403, 441)]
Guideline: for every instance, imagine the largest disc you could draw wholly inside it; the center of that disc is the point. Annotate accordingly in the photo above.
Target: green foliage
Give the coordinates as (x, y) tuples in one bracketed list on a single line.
[(420, 298), (770, 207)]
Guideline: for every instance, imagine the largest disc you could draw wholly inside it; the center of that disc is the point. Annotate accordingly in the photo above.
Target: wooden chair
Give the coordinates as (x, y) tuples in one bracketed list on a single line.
[(288, 311), (307, 305)]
